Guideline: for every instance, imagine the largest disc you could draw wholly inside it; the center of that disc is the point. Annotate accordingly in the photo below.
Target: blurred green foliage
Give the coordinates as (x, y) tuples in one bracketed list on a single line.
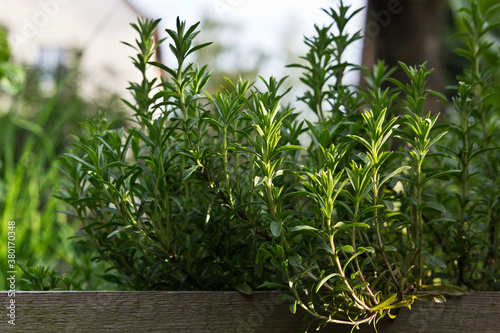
[(35, 126)]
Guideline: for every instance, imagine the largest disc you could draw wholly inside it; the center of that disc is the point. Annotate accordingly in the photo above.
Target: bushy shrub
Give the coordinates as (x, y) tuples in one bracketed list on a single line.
[(216, 192)]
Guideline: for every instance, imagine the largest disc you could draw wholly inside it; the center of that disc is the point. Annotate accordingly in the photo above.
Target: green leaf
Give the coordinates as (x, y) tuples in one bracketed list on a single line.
[(394, 173), (4, 46), (361, 285), (342, 225), (304, 229), (463, 53), (236, 209), (440, 174), (110, 186), (272, 285), (435, 205), (293, 307), (119, 230), (437, 298), (258, 181), (278, 173), (288, 147), (189, 171), (390, 248), (366, 249), (244, 288), (323, 246), (384, 304), (197, 47), (115, 164), (112, 211), (276, 228), (85, 200), (444, 289), (370, 209), (389, 205), (366, 261), (325, 279), (434, 261), (407, 301), (280, 252), (347, 248), (13, 78), (392, 316), (295, 260), (78, 159), (360, 140), (346, 264)]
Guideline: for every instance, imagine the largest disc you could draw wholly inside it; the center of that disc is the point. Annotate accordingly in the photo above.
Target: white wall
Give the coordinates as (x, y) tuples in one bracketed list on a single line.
[(96, 26)]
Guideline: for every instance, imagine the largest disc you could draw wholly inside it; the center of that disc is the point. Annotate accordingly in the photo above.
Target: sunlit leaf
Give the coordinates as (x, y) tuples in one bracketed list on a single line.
[(445, 289), (324, 280), (436, 298), (347, 248), (119, 230), (385, 303)]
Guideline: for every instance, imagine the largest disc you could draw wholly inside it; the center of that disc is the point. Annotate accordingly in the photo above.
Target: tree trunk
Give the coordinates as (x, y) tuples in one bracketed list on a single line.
[(407, 31)]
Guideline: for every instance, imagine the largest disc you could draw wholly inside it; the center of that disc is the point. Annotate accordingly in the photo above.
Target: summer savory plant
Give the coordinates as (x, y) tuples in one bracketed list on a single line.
[(217, 191)]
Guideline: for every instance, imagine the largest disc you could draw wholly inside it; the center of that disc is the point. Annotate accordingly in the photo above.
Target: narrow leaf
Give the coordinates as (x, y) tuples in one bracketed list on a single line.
[(436, 206), (434, 261), (324, 280), (272, 285), (437, 298), (189, 171), (119, 230), (445, 289), (276, 228), (384, 304), (394, 173)]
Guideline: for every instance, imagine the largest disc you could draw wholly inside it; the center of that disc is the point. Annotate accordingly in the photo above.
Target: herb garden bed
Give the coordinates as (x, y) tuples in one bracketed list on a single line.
[(226, 312), (383, 207)]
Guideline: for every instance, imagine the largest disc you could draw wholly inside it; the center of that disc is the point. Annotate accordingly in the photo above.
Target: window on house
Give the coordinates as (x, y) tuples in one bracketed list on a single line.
[(53, 63)]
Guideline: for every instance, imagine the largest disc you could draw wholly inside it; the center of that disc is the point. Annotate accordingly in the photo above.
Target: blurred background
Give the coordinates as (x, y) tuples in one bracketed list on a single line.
[(260, 36), (64, 63)]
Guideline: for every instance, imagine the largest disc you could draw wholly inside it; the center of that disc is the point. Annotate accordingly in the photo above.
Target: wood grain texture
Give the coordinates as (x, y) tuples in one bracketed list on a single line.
[(224, 312)]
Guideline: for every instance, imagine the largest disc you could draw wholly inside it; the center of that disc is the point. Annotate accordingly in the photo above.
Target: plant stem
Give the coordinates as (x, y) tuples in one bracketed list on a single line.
[(379, 235), (464, 160), (358, 267), (225, 162), (420, 226), (352, 293)]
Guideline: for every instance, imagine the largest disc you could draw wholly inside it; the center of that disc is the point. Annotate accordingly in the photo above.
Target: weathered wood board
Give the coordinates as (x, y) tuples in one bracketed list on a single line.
[(223, 312)]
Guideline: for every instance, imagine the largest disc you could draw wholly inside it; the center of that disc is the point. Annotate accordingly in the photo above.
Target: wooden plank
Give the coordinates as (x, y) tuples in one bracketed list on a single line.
[(223, 312)]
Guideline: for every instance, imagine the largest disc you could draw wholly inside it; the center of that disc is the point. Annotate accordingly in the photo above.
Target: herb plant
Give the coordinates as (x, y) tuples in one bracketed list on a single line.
[(217, 192)]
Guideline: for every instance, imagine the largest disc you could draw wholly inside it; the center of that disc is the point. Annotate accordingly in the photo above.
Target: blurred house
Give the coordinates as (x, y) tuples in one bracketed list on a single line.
[(46, 34)]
